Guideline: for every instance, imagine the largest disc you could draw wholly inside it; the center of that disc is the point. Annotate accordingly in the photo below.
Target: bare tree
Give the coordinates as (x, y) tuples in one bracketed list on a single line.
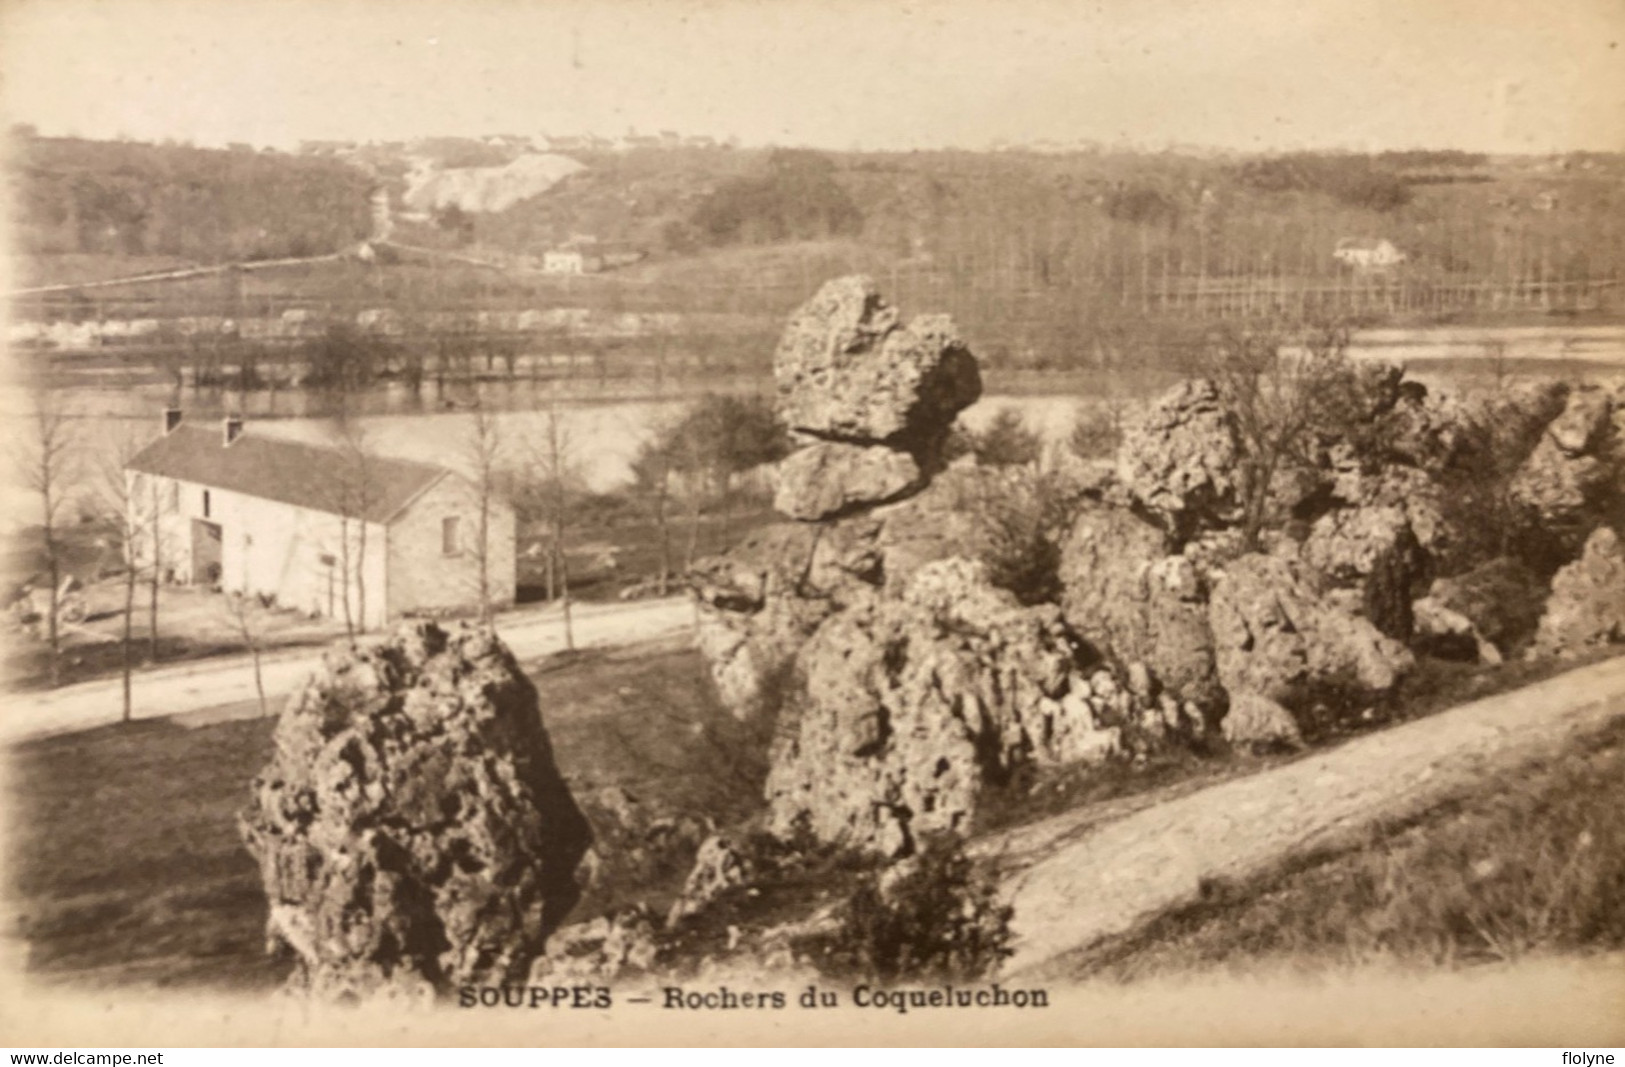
[(48, 464), (126, 499), (553, 467), (156, 542), (483, 453), (651, 470), (247, 608), (1281, 397), (353, 497)]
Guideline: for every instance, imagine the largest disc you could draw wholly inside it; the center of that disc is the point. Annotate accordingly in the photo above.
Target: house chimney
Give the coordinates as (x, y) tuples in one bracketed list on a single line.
[(172, 419), (232, 425)]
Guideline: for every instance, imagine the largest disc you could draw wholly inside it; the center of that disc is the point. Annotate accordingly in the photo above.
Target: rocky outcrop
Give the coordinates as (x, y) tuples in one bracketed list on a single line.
[(1137, 604), (1448, 634), (624, 945), (1179, 459), (1277, 634), (718, 868), (1587, 605), (1501, 599), (831, 478), (876, 398), (1258, 723), (849, 369), (412, 830), (1572, 479), (915, 704)]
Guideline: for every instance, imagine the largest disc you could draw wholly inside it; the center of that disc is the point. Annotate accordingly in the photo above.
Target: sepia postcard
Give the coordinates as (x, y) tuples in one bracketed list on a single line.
[(714, 523)]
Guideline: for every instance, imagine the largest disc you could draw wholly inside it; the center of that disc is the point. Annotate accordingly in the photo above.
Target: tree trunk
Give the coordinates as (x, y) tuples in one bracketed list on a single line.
[(664, 525), (53, 565), (129, 628)]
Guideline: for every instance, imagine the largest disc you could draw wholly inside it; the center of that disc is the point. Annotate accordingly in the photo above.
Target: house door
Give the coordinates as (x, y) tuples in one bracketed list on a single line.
[(205, 552)]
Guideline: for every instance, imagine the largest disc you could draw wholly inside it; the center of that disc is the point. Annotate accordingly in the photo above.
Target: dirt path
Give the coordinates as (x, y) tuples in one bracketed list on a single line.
[(206, 684), (1075, 879)]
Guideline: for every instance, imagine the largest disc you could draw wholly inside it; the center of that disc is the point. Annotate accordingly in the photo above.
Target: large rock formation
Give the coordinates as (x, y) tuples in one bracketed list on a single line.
[(412, 830), (1572, 479), (1587, 606), (848, 369), (905, 681), (876, 397), (1136, 602), (1278, 634), (915, 703), (1178, 460)]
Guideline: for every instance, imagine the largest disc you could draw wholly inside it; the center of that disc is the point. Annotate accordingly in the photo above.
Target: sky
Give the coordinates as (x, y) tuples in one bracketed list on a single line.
[(1486, 75)]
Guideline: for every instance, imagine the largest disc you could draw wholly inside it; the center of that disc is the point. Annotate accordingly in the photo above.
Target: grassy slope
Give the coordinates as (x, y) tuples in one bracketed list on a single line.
[(127, 868), (1531, 865)]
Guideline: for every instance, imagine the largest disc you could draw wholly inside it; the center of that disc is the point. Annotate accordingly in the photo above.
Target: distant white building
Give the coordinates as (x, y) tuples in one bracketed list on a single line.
[(571, 261), (1365, 253), (586, 255)]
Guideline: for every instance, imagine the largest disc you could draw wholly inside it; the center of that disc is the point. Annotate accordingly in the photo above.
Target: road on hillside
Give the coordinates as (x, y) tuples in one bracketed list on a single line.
[(1074, 881), (209, 683)]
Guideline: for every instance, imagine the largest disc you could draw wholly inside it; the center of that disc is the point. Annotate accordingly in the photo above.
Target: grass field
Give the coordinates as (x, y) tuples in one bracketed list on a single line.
[(127, 869)]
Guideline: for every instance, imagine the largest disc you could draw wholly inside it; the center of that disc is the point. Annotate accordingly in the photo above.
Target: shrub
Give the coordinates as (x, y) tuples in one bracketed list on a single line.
[(933, 917), (1020, 520), (1007, 441), (1096, 432)]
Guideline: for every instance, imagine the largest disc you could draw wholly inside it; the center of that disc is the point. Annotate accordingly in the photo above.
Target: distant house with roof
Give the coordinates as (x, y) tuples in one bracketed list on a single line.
[(1366, 253), (583, 254), (320, 529)]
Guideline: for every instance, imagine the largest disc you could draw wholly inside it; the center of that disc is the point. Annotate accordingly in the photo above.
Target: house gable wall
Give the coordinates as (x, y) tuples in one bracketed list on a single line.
[(422, 578)]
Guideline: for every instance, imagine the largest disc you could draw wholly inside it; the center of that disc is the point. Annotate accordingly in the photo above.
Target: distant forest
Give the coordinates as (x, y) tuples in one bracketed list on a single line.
[(203, 205), (1046, 259)]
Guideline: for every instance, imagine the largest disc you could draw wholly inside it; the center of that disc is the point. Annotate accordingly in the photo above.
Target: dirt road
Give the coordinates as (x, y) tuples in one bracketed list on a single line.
[(1074, 881), (193, 686)]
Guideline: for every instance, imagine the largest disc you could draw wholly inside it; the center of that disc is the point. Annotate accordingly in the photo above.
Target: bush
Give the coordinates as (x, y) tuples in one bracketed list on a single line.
[(933, 917), (1096, 432), (1007, 442), (1020, 521)]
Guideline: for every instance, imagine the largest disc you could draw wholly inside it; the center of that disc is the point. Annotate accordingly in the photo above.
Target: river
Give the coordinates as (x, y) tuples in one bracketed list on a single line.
[(603, 428)]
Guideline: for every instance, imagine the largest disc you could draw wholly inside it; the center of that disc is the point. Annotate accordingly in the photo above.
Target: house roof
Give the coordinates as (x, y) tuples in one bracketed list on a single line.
[(290, 472)]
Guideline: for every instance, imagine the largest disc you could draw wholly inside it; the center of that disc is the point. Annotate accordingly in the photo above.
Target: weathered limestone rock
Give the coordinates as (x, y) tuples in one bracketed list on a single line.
[(1136, 604), (1573, 479), (412, 830), (1257, 722), (1179, 458), (1278, 635), (849, 370), (831, 478), (1501, 599), (1587, 605), (624, 945), (718, 867), (1448, 634), (915, 705)]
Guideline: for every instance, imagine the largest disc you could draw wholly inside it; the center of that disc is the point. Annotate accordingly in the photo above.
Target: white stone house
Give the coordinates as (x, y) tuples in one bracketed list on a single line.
[(1366, 254), (571, 261), (316, 528)]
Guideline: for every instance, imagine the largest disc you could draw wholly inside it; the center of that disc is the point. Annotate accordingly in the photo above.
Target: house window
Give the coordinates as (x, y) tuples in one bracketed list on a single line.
[(205, 503), (450, 539)]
